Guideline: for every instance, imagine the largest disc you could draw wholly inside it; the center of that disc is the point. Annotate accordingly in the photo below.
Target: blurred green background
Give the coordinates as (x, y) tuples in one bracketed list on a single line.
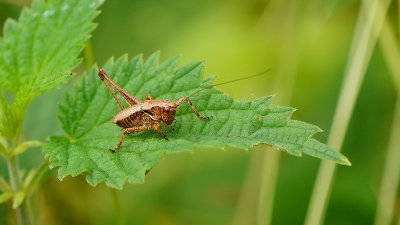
[(306, 43)]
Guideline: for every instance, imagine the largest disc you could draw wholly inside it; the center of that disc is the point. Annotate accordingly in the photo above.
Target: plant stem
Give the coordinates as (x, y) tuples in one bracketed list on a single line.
[(89, 56), (117, 206), (368, 25), (245, 206), (391, 52), (269, 177), (391, 172), (22, 211)]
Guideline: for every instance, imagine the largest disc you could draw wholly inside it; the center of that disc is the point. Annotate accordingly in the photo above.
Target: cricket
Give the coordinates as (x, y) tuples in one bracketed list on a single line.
[(150, 114)]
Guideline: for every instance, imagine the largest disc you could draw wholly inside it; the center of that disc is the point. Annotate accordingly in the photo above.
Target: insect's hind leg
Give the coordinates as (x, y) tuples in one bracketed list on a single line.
[(111, 91), (129, 130), (132, 100), (180, 101)]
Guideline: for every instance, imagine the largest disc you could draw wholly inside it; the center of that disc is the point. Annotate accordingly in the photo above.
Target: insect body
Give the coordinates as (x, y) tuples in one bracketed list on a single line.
[(147, 115)]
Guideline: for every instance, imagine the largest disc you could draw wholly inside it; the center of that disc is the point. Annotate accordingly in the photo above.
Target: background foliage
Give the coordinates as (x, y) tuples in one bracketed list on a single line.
[(310, 39)]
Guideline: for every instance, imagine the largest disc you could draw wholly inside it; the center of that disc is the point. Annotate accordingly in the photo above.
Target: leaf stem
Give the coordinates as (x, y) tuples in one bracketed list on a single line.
[(21, 148), (22, 211), (368, 25)]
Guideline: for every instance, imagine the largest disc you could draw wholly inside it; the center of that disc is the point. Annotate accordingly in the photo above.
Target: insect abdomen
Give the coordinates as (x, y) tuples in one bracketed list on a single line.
[(131, 120)]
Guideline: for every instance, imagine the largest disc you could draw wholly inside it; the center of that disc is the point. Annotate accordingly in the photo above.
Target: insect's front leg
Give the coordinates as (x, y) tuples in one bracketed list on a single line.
[(172, 126), (180, 101), (157, 127), (129, 130)]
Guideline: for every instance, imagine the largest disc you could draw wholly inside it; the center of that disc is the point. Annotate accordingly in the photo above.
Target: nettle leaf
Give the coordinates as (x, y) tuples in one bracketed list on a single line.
[(87, 110), (39, 49)]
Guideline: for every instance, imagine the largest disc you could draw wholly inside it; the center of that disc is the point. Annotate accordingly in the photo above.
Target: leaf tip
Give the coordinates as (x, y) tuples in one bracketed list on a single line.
[(345, 161), (18, 199)]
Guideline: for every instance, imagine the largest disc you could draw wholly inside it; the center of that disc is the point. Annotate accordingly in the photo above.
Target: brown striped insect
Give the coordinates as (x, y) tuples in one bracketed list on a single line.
[(149, 114)]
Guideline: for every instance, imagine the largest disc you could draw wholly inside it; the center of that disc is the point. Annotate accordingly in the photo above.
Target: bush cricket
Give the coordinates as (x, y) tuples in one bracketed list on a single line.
[(150, 114)]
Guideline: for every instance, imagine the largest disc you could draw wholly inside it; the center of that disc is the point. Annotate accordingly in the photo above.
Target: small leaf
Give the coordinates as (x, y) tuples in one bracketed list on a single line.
[(87, 110), (3, 150), (18, 199), (4, 197), (32, 180), (4, 186)]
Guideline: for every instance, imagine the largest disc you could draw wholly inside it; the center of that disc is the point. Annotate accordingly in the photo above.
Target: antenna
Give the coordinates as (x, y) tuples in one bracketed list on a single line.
[(231, 81)]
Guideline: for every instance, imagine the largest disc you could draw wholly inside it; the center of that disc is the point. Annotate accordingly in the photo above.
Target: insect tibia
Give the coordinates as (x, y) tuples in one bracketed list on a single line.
[(180, 101), (184, 99)]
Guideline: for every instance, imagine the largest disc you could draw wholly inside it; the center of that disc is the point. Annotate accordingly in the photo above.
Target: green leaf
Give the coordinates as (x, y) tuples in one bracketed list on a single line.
[(4, 197), (32, 180), (18, 198), (4, 186), (3, 149), (87, 110), (39, 49)]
